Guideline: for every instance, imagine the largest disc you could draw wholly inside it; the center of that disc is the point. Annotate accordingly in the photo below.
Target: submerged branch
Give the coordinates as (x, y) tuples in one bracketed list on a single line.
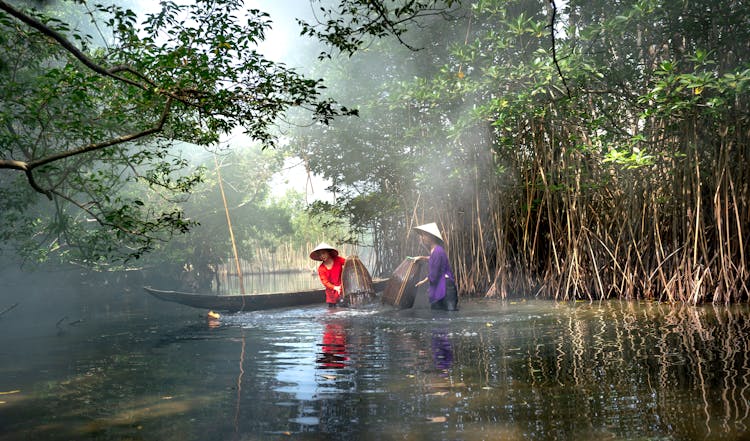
[(8, 309)]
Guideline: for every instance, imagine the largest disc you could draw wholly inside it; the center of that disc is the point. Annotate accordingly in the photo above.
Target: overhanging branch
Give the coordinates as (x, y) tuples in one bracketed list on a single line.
[(29, 166), (67, 45), (147, 84), (114, 141)]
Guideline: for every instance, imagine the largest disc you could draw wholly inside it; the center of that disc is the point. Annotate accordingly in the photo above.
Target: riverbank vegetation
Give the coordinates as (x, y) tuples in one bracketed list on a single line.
[(598, 150), (568, 150), (98, 104)]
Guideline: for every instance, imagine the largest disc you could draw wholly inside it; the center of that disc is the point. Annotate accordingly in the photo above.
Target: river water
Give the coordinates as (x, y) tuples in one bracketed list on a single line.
[(495, 370)]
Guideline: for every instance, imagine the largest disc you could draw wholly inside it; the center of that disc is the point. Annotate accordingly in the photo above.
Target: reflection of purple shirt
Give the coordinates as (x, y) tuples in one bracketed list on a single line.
[(439, 268), (442, 350)]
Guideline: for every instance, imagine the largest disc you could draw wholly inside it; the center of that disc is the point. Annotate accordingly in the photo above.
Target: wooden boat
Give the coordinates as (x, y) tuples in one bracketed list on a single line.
[(248, 302)]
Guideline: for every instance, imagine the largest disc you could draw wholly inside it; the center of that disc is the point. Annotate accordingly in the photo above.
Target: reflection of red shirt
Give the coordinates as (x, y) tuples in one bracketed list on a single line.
[(333, 350), (332, 277), (334, 339)]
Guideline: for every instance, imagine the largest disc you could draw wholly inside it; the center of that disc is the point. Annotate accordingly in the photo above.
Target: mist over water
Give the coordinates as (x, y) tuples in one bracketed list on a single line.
[(495, 370)]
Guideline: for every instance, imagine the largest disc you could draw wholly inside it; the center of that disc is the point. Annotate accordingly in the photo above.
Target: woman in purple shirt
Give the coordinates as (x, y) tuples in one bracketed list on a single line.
[(442, 283)]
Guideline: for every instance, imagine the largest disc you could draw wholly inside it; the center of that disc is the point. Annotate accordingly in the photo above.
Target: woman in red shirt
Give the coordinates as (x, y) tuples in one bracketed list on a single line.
[(329, 271)]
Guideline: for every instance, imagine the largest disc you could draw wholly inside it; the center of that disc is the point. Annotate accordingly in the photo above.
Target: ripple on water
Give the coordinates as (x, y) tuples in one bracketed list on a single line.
[(494, 369)]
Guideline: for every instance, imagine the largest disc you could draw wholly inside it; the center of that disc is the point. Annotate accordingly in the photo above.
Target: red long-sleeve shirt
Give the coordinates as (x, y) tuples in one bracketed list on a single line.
[(332, 277)]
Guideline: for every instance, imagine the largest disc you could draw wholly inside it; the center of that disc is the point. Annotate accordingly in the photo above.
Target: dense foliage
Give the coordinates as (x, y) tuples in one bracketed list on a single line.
[(586, 149), (90, 124), (598, 150)]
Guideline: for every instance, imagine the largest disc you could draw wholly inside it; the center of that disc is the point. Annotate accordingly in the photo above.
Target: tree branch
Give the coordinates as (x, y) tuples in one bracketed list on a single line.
[(27, 167), (8, 308), (551, 25), (62, 41), (390, 24), (103, 222), (112, 72), (377, 19), (98, 146), (13, 164)]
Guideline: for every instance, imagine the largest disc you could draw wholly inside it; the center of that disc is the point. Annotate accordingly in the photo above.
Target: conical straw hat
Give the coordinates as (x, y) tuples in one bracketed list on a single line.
[(431, 229), (323, 246)]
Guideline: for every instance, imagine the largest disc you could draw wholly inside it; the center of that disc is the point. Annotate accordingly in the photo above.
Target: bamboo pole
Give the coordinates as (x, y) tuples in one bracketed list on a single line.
[(231, 232)]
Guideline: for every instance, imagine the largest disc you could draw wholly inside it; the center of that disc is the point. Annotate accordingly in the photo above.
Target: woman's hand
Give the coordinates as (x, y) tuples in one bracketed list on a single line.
[(421, 282)]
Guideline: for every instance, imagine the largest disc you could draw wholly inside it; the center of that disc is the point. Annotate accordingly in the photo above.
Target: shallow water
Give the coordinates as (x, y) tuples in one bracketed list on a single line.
[(493, 370)]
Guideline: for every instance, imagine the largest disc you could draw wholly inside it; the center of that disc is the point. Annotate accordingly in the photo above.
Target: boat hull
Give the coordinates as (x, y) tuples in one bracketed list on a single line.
[(248, 302)]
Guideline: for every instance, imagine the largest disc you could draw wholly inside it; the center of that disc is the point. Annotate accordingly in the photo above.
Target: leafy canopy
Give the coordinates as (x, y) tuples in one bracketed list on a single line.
[(93, 126)]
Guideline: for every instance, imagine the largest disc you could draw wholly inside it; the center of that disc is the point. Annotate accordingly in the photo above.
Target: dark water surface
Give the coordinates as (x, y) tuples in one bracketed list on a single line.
[(495, 370)]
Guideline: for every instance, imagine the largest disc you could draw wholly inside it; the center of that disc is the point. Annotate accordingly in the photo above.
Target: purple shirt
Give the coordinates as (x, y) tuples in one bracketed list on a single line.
[(439, 269)]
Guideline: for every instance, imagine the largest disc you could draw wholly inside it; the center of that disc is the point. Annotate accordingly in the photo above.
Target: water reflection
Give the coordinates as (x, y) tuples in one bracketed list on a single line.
[(495, 370), (333, 353), (617, 368), (442, 351)]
